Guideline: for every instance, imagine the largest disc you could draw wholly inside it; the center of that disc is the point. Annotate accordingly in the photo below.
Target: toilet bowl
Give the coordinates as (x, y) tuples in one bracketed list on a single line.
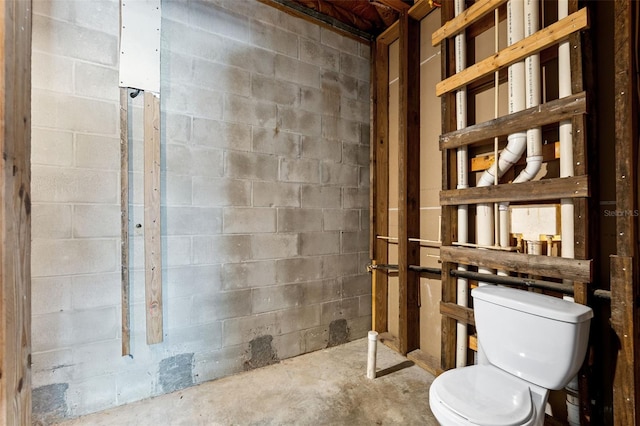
[(516, 330)]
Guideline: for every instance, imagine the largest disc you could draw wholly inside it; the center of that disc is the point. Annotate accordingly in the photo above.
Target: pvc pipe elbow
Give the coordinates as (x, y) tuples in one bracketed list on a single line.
[(534, 164)]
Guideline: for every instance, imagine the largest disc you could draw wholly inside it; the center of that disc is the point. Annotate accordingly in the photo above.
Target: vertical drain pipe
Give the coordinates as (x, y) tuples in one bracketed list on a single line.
[(462, 182), (566, 204), (372, 354)]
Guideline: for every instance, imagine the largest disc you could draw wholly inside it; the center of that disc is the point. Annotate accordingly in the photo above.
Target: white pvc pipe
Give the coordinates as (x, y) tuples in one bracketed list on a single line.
[(462, 182), (372, 352)]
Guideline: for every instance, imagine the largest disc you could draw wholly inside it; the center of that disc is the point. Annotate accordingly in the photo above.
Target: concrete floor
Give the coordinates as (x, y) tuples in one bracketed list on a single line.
[(327, 387)]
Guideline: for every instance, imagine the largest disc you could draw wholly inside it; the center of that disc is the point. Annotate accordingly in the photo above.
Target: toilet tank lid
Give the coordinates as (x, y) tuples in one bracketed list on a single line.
[(534, 303)]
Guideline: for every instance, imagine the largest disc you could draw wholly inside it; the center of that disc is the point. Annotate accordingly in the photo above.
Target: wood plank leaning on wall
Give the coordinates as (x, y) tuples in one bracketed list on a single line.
[(15, 212)]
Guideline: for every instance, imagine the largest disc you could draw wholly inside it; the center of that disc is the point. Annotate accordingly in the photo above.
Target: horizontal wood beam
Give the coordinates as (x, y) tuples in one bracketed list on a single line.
[(545, 266), (459, 313), (547, 113), (397, 5), (528, 46), (389, 35), (420, 9), (539, 190), (463, 20)]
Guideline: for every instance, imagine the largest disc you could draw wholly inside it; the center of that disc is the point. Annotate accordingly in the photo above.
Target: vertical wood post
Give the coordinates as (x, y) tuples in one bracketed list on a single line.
[(409, 182), (624, 266), (124, 220), (152, 229), (15, 212)]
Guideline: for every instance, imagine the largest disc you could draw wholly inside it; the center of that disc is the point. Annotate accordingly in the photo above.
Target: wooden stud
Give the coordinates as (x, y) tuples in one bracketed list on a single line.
[(459, 313), (456, 25), (526, 47), (15, 212), (409, 183), (152, 230), (124, 221), (420, 9)]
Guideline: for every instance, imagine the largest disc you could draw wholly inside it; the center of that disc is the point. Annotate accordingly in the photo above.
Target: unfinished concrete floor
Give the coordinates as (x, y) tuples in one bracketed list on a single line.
[(324, 387)]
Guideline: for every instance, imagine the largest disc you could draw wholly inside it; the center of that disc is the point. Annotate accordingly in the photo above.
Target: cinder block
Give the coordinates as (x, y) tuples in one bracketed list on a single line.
[(355, 154), (64, 112), (220, 134), (51, 72), (359, 327), (335, 40), (236, 331), (213, 18), (51, 147), (134, 385), (175, 68), (273, 246), (221, 249), (50, 221), (70, 257), (177, 189), (248, 275), (321, 148), (273, 38), (338, 174), (301, 27), (319, 55), (364, 51), (341, 265), (315, 243), (194, 100), (353, 242), (299, 269), (290, 69), (365, 133), (364, 306), (300, 318), (276, 194), (221, 192), (321, 291), (178, 250), (91, 291), (276, 91), (95, 81), (63, 329), (353, 109), (177, 313), (183, 281), (186, 220), (49, 403), (364, 177), (341, 220), (299, 121), (198, 338), (299, 170), (96, 220), (50, 294), (65, 39), (315, 339), (210, 365), (184, 160), (319, 101), (316, 196), (341, 309), (249, 220), (222, 78), (340, 85), (288, 345), (341, 129), (276, 141), (249, 111), (91, 395), (356, 285), (177, 127), (364, 91), (355, 198), (244, 165), (275, 298), (222, 305), (97, 152), (355, 66), (299, 220)]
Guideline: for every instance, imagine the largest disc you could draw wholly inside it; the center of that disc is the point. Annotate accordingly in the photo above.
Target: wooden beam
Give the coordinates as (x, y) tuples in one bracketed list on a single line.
[(124, 221), (624, 267), (15, 212), (380, 195), (152, 229), (516, 52), (463, 20), (550, 151), (545, 266), (420, 9), (540, 190), (397, 5), (389, 35), (459, 313), (409, 183), (550, 112)]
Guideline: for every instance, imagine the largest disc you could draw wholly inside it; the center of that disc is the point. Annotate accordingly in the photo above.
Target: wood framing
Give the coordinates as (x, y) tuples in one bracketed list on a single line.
[(152, 228), (624, 267), (124, 221), (456, 25), (409, 182), (15, 212)]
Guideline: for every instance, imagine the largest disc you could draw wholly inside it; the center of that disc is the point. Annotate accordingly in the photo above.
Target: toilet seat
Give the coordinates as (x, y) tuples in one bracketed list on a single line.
[(482, 395)]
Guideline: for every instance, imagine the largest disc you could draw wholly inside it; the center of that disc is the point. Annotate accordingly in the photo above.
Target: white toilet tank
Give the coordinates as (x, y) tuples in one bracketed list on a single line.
[(542, 339)]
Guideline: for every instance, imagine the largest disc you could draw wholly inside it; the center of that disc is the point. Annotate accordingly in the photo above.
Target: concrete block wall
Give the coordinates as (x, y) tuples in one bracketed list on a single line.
[(265, 135)]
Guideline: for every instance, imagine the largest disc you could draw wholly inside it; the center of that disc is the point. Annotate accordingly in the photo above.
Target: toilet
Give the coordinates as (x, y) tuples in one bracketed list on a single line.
[(528, 343)]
